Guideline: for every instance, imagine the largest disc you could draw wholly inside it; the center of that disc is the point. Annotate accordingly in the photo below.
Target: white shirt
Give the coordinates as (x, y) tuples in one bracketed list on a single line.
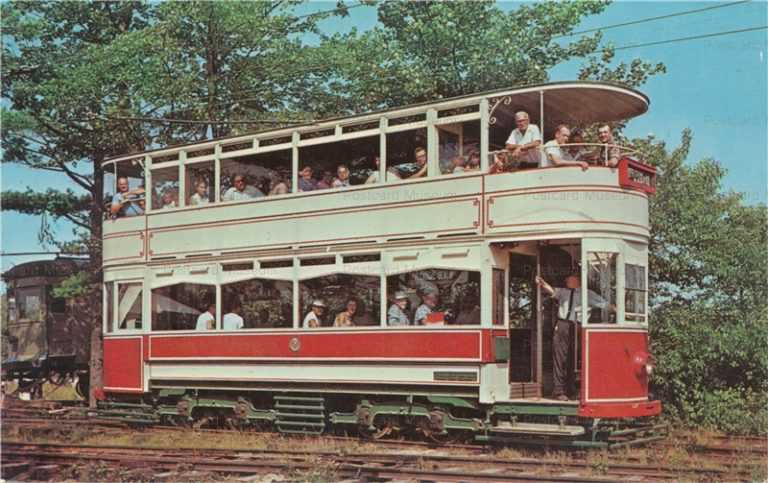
[(458, 169), (249, 193), (196, 199), (232, 321), (563, 297), (552, 148), (531, 134), (311, 316), (204, 319), (373, 178)]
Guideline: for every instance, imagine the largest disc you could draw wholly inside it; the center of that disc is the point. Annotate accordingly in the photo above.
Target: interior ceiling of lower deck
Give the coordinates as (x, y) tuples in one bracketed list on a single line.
[(576, 107)]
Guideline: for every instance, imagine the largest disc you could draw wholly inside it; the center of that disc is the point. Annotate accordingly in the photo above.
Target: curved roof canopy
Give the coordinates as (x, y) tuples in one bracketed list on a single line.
[(574, 104)]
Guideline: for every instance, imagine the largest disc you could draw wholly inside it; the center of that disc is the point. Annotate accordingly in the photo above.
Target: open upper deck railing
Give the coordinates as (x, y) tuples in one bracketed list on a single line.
[(449, 137)]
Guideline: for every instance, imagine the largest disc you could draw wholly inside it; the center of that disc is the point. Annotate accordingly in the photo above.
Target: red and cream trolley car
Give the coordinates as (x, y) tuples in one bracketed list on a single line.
[(260, 230)]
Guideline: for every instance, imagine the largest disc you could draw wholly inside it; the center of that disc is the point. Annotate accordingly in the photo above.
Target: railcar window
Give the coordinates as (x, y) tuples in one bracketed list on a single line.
[(635, 293), (340, 164), (57, 305), (200, 183), (601, 280), (29, 303), (522, 291), (434, 297), (129, 306), (109, 177), (402, 162), (124, 190), (109, 294), (347, 300), (256, 176), (165, 188), (459, 147), (257, 304), (180, 306), (498, 297)]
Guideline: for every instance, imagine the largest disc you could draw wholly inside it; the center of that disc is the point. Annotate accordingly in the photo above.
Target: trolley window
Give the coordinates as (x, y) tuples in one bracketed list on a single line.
[(635, 293), (109, 306), (129, 306), (436, 297), (601, 282), (184, 306), (257, 304), (346, 301)]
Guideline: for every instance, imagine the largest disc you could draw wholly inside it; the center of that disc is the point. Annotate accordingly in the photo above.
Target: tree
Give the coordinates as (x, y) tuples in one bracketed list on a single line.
[(85, 81), (429, 50), (709, 321)]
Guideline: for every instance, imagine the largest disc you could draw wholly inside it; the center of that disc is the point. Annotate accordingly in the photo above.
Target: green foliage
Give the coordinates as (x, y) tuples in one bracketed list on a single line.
[(76, 285), (709, 326), (430, 50)]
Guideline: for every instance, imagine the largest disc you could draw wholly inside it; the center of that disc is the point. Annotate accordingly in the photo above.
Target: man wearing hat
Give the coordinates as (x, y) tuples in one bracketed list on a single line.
[(396, 315), (429, 302), (312, 320)]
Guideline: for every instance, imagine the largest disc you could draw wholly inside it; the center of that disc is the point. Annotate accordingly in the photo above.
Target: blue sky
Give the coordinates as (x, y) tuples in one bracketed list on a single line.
[(716, 86)]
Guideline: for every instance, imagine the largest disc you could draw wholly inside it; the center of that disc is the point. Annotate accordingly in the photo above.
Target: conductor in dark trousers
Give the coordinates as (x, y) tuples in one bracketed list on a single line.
[(568, 313)]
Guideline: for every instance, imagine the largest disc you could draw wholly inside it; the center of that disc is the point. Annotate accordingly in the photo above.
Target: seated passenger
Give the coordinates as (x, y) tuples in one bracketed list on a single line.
[(306, 182), (326, 181), (473, 161), (396, 315), (127, 202), (207, 320), (458, 164), (524, 141), (200, 197), (374, 177), (280, 184), (346, 318), (500, 163), (428, 304), (557, 156), (342, 180), (421, 163), (233, 320), (313, 317), (240, 190), (169, 199)]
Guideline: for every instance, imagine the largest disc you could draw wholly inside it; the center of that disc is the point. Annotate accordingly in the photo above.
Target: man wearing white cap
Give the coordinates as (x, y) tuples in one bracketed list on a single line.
[(396, 315), (312, 320)]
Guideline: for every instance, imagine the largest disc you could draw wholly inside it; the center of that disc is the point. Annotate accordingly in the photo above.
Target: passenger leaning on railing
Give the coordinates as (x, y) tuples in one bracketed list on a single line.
[(557, 156), (127, 202), (524, 141)]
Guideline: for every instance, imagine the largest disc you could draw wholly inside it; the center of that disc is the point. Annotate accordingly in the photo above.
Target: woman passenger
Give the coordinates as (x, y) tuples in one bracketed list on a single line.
[(279, 185), (346, 318), (200, 197)]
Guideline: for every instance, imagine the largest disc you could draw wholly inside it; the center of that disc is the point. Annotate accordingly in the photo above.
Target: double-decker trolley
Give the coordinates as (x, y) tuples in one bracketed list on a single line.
[(377, 273)]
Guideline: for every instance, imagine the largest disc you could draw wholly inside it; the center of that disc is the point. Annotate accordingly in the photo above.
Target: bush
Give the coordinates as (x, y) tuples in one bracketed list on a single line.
[(712, 367)]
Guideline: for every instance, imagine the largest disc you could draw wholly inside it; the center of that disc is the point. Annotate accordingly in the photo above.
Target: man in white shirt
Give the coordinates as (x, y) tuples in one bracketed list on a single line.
[(232, 320), (207, 320), (557, 156), (240, 190), (524, 141), (313, 318), (568, 313)]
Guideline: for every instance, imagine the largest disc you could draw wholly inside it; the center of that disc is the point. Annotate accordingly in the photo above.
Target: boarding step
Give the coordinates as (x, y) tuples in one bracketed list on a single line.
[(538, 429), (300, 414)]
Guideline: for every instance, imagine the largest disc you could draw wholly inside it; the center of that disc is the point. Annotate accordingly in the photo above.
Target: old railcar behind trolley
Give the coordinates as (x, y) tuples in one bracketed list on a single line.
[(46, 338), (480, 366)]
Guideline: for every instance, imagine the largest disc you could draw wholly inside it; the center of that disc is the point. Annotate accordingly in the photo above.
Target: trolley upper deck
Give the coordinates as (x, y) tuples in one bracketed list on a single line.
[(191, 212)]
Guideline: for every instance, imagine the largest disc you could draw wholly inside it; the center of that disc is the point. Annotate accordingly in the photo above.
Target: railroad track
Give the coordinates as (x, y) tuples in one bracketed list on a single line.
[(360, 465)]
